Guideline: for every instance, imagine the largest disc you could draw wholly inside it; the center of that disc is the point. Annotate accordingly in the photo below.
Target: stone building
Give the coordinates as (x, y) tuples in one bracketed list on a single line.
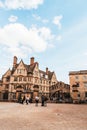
[(60, 91), (1, 89), (26, 79), (78, 84)]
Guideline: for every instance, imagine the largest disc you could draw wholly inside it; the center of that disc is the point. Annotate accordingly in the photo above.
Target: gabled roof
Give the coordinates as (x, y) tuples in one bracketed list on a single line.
[(43, 72), (13, 69), (7, 72), (50, 74), (29, 68)]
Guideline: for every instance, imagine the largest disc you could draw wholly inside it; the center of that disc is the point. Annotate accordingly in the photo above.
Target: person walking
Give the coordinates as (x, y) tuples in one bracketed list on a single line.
[(42, 100), (36, 100), (27, 100)]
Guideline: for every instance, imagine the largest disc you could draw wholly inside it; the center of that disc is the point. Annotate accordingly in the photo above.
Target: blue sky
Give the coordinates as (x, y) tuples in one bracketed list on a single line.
[(53, 31)]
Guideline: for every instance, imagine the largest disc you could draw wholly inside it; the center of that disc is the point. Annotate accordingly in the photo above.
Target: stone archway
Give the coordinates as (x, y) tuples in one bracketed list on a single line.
[(56, 96)]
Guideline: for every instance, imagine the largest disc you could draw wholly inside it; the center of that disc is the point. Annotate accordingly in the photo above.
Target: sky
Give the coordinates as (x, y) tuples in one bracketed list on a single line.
[(52, 31)]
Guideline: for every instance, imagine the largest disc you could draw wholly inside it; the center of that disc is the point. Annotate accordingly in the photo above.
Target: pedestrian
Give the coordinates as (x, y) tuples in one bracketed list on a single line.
[(36, 100), (42, 100), (27, 100), (30, 100)]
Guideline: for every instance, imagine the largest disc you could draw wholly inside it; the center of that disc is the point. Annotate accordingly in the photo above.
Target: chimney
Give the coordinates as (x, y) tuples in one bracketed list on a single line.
[(14, 61), (31, 60), (46, 70)]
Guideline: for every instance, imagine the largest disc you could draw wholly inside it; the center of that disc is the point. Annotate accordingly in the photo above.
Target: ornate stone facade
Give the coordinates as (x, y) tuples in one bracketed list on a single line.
[(25, 79)]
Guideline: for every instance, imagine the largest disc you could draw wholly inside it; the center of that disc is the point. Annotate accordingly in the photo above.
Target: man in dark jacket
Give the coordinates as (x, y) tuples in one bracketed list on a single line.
[(42, 100)]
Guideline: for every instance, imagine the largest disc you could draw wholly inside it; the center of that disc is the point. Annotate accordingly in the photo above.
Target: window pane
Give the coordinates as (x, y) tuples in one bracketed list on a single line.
[(85, 84)]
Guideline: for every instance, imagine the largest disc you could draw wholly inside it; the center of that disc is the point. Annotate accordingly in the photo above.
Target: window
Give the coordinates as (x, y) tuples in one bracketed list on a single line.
[(8, 79), (24, 71), (7, 86), (18, 71), (29, 79), (85, 77), (40, 87), (47, 82), (76, 77), (24, 78), (36, 73), (15, 87), (15, 78), (36, 80), (78, 95), (85, 84), (20, 78), (43, 88), (41, 81), (47, 88)]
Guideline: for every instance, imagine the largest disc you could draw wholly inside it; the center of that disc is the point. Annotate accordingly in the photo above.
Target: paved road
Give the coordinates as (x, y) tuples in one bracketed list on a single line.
[(15, 116)]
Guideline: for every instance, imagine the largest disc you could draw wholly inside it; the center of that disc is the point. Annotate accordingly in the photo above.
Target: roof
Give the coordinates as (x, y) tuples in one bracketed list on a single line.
[(78, 72), (29, 68), (7, 72), (13, 69), (50, 74)]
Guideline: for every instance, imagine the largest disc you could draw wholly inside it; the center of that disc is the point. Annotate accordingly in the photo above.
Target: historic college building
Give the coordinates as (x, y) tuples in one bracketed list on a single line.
[(25, 79)]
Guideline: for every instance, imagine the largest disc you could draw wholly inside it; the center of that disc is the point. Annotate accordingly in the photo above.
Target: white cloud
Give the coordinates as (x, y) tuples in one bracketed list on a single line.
[(21, 4), (56, 21), (40, 19), (12, 18), (19, 40), (46, 33)]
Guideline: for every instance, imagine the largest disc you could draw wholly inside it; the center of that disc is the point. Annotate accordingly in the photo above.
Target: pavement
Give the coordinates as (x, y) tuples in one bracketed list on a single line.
[(15, 116)]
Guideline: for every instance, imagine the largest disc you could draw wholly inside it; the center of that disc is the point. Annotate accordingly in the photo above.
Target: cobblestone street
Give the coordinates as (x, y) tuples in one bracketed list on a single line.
[(15, 116)]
